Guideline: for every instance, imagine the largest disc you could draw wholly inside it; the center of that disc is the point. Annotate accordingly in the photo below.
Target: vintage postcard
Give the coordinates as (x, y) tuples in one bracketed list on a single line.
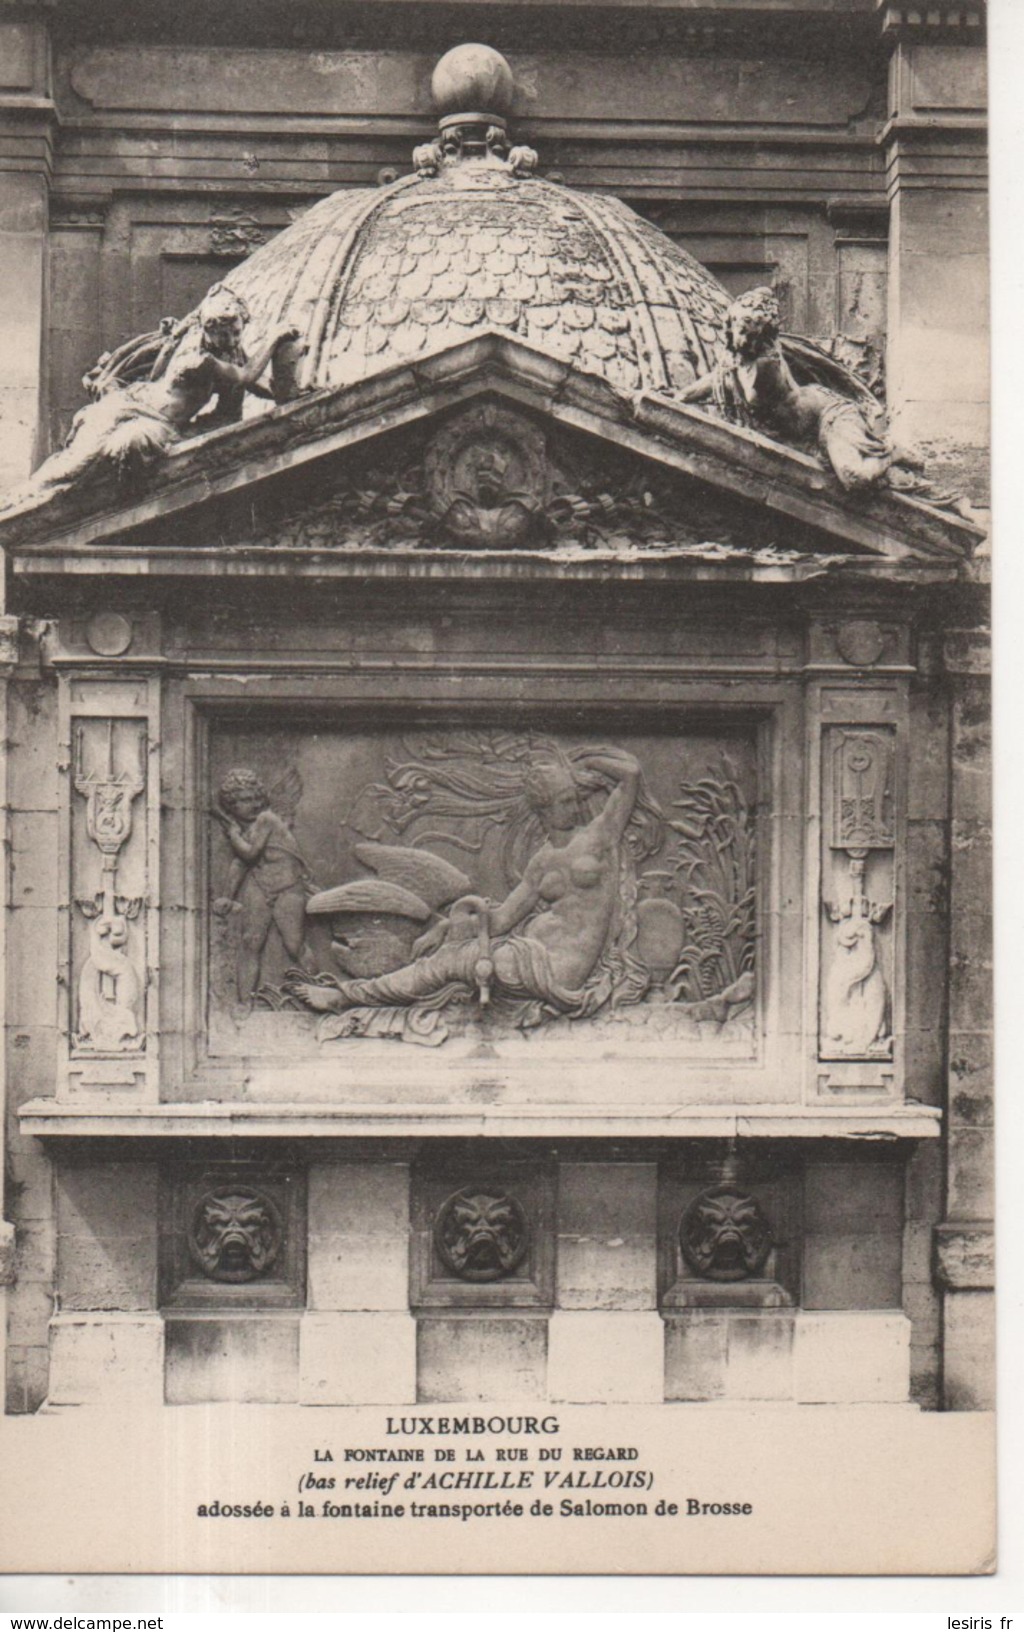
[(495, 694)]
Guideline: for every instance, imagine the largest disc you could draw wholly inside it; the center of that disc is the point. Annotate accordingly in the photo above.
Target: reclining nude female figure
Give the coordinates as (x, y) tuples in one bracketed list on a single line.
[(569, 894)]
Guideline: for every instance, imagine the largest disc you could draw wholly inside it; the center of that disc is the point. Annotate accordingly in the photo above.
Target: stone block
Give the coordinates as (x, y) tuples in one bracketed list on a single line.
[(107, 1235), (759, 1360), (852, 1358), (971, 1068), (971, 1175), (969, 1357), (32, 946), (358, 1272), (358, 1198), (606, 1274), (924, 1182), (357, 1359), (31, 723), (34, 880), (696, 1352), (485, 1357), (917, 1253), (607, 1229), (114, 1360), (607, 1199), (853, 1198), (965, 1256), (606, 1358), (852, 1271), (29, 1308), (251, 1359), (34, 1247)]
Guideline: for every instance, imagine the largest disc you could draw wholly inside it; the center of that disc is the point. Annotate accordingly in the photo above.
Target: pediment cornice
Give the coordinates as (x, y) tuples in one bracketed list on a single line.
[(227, 468)]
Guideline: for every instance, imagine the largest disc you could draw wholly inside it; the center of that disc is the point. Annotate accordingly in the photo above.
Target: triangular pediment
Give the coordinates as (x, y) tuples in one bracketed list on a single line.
[(488, 448)]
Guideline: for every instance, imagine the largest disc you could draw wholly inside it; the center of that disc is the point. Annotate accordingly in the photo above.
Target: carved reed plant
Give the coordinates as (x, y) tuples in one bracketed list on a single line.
[(714, 865)]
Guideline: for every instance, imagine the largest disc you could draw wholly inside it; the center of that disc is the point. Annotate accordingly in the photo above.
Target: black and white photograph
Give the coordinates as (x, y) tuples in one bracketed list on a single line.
[(494, 670)]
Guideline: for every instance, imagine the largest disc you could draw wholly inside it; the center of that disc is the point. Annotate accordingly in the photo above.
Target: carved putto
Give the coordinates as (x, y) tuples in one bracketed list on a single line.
[(268, 880), (724, 1234), (481, 1235), (235, 1234)]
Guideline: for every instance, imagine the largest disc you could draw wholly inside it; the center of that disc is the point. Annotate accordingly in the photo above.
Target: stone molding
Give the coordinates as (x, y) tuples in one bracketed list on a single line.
[(952, 21)]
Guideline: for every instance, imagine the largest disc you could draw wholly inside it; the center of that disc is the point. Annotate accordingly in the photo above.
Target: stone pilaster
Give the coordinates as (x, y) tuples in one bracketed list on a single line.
[(964, 1255), (605, 1338), (27, 122), (8, 658), (935, 153)]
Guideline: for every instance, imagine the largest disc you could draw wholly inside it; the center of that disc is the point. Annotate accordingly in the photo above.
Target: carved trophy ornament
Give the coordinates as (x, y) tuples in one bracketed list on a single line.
[(235, 1234), (481, 1235), (147, 395), (856, 1020), (109, 1017), (724, 1234), (268, 880)]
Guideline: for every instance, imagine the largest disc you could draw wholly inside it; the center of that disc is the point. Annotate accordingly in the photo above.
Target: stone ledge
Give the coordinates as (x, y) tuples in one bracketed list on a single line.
[(40, 1118)]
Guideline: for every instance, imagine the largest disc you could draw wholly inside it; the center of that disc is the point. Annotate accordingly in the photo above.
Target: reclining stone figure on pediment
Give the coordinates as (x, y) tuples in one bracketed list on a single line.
[(151, 392)]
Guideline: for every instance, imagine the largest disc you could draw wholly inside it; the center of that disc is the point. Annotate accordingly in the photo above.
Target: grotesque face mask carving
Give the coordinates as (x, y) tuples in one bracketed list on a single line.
[(481, 1236), (235, 1234), (724, 1234)]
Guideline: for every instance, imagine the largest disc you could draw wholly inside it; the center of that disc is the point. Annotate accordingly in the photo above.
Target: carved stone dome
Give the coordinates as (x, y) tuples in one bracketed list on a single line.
[(474, 242)]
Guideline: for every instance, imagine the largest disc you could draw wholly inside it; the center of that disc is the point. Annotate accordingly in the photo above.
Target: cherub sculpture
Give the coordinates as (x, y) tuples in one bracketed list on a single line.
[(268, 878), (754, 384), (134, 421)]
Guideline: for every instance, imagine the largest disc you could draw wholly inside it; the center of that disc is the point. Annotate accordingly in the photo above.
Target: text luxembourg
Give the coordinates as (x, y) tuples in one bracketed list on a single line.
[(472, 1425)]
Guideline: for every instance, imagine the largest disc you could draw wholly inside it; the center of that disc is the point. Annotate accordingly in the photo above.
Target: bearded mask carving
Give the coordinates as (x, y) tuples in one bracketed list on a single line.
[(724, 1234), (235, 1235), (481, 1236)]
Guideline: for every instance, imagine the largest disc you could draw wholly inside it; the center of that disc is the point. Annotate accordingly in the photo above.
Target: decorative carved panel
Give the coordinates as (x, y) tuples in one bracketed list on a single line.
[(232, 1235), (729, 1229), (483, 1235), (235, 1234), (460, 886), (858, 892), (724, 1234)]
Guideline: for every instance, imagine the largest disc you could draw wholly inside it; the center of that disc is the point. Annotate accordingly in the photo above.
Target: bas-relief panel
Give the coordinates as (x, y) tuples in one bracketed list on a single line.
[(483, 891)]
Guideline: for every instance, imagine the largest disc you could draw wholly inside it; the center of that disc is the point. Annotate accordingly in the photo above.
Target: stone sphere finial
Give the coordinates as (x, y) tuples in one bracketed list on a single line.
[(473, 80)]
